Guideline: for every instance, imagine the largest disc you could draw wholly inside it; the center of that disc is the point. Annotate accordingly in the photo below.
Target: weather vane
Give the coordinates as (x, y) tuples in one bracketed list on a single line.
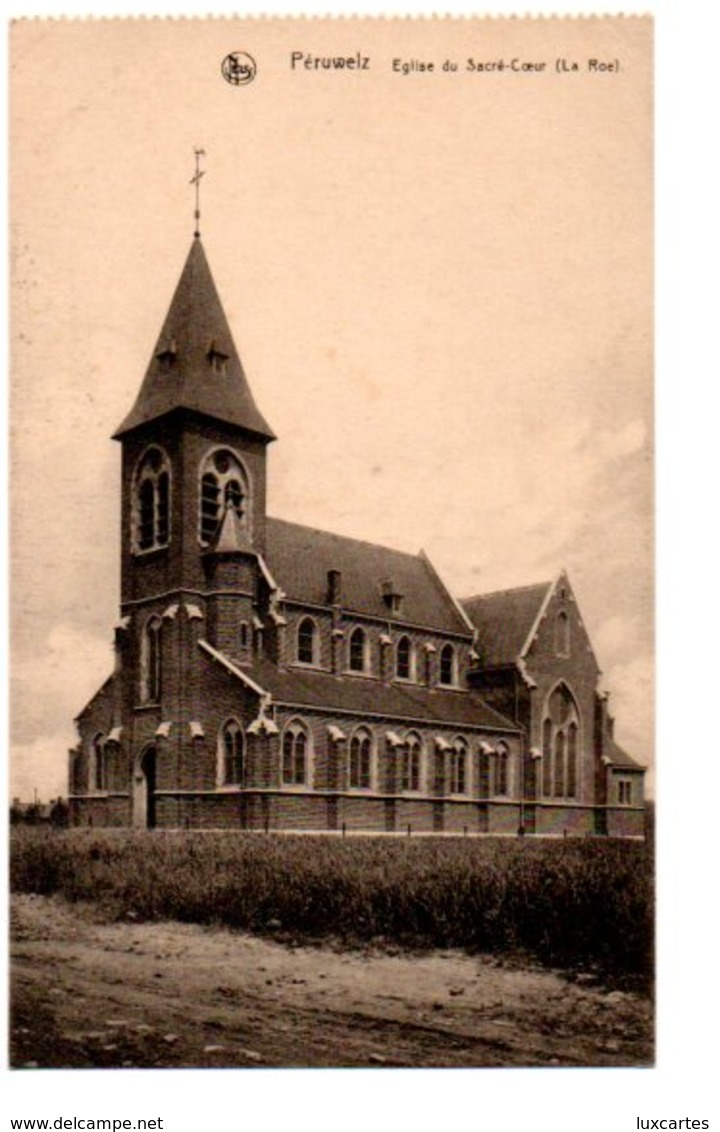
[(196, 182)]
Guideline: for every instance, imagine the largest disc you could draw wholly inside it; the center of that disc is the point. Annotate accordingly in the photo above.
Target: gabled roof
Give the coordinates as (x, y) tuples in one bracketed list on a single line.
[(300, 558), (181, 374), (504, 620), (366, 697)]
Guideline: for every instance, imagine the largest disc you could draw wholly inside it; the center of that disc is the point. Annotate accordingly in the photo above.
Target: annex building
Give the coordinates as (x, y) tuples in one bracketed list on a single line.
[(270, 676)]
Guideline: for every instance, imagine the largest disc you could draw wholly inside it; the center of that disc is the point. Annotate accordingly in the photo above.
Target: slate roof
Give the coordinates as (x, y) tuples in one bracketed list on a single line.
[(194, 324), (299, 559), (620, 758), (363, 696), (503, 620)]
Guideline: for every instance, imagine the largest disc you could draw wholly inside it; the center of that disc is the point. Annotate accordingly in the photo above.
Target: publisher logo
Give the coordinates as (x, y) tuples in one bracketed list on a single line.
[(239, 68)]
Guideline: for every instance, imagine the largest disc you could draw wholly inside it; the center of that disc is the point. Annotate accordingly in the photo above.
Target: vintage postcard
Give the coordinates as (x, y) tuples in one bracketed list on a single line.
[(333, 621)]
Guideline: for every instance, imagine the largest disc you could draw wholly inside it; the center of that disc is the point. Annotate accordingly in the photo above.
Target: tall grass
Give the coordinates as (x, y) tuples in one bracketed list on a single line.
[(568, 903)]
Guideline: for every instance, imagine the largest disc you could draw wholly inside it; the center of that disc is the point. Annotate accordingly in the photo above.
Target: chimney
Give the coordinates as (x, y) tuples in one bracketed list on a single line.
[(334, 586)]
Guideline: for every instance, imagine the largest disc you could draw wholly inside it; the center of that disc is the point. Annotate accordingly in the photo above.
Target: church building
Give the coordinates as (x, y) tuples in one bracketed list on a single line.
[(270, 676)]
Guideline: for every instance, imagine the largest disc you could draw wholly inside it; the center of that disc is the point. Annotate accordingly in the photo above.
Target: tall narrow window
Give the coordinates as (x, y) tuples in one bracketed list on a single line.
[(361, 759), (358, 650), (625, 792), (562, 634), (307, 641), (97, 766), (151, 501), (295, 752), (571, 767), (151, 661), (411, 763), (403, 659), (458, 767), (559, 779), (502, 776), (447, 665), (232, 754), (223, 486), (547, 757)]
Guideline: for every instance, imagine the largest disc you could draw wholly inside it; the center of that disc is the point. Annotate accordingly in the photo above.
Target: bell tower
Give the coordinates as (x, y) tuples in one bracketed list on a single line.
[(193, 505), (194, 445)]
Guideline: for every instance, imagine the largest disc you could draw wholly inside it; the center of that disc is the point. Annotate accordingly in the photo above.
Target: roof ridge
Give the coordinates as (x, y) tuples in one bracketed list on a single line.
[(347, 538), (511, 590)]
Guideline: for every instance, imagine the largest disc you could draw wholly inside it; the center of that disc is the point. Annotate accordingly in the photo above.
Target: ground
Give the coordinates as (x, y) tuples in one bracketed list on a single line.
[(86, 993)]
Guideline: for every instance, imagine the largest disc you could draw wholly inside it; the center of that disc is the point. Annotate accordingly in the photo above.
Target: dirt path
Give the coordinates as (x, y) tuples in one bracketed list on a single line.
[(159, 995)]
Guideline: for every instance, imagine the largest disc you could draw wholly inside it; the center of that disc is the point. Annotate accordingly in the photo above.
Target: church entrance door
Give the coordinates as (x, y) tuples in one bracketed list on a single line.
[(144, 790)]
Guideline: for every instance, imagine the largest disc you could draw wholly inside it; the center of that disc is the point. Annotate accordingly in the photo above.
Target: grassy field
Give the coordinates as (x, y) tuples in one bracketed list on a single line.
[(574, 903)]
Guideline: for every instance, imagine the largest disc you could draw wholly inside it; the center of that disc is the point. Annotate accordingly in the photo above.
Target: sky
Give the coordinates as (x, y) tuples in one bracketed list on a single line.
[(440, 287)]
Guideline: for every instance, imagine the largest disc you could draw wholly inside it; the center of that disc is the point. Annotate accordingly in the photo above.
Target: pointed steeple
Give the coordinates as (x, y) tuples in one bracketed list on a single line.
[(195, 364)]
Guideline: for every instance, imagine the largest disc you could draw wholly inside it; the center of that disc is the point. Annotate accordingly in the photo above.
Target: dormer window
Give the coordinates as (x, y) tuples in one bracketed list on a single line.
[(218, 361), (392, 598), (151, 501), (223, 485), (166, 356)]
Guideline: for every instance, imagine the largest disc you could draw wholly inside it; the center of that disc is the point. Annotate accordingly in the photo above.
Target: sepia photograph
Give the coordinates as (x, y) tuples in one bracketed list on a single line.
[(332, 693)]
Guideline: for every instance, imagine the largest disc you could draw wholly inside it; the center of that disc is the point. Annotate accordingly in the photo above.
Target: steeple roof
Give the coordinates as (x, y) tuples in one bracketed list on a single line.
[(195, 364)]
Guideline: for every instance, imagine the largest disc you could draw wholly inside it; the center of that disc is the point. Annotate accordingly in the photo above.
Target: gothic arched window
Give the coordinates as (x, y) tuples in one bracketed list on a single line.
[(151, 661), (98, 770), (151, 501), (404, 659), (412, 762), (231, 754), (296, 755), (502, 776), (224, 484), (307, 641), (560, 749), (361, 759), (358, 650), (458, 767), (447, 665)]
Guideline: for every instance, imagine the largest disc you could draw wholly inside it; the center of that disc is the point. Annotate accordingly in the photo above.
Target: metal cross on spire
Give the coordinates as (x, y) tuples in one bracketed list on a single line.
[(196, 182)]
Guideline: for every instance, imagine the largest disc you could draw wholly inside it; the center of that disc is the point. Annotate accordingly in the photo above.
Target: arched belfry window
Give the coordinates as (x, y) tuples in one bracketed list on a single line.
[(361, 759), (296, 754), (224, 484), (560, 744), (307, 641), (231, 754), (151, 661), (151, 501)]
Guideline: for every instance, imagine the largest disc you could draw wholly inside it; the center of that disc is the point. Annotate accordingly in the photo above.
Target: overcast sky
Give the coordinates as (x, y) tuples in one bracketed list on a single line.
[(440, 287)]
